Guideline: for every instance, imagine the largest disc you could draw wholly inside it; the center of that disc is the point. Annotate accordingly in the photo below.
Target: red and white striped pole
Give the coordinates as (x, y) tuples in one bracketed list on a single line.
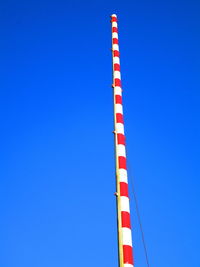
[(123, 209)]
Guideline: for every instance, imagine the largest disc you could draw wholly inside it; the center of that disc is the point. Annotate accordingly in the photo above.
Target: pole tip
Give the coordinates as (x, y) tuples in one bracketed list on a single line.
[(113, 18)]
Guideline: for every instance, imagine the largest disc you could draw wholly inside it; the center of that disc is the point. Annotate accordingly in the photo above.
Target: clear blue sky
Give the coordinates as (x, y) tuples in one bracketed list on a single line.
[(57, 165)]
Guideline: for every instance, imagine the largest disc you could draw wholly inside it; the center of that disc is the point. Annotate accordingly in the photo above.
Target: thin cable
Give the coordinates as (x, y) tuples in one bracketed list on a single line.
[(141, 227), (139, 218)]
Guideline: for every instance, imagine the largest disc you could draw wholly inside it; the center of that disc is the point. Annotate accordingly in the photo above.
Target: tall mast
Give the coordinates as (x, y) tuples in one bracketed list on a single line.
[(125, 248)]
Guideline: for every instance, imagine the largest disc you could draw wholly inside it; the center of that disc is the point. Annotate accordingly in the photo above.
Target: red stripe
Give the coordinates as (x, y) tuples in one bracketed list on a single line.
[(126, 221), (128, 254), (113, 19), (114, 29), (116, 53), (116, 67), (119, 118), (123, 189), (122, 162), (117, 82), (115, 41), (120, 139), (118, 99)]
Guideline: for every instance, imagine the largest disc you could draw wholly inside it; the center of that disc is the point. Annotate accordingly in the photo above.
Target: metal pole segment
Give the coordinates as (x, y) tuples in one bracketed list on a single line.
[(123, 211)]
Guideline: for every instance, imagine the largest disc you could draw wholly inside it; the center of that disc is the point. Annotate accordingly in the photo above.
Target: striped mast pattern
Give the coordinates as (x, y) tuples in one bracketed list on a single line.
[(125, 249)]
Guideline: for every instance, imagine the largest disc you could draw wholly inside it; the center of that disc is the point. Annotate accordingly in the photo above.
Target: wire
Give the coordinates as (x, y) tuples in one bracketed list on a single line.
[(139, 218)]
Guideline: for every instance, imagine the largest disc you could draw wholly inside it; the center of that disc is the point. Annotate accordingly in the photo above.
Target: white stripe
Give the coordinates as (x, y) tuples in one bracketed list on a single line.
[(118, 108), (126, 236), (128, 265), (114, 24), (116, 60), (113, 15), (121, 150), (118, 90), (115, 35), (116, 47), (120, 128), (117, 74), (123, 175), (125, 204)]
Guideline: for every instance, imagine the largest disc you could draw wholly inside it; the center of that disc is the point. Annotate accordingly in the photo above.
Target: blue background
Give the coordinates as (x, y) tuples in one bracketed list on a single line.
[(57, 164)]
